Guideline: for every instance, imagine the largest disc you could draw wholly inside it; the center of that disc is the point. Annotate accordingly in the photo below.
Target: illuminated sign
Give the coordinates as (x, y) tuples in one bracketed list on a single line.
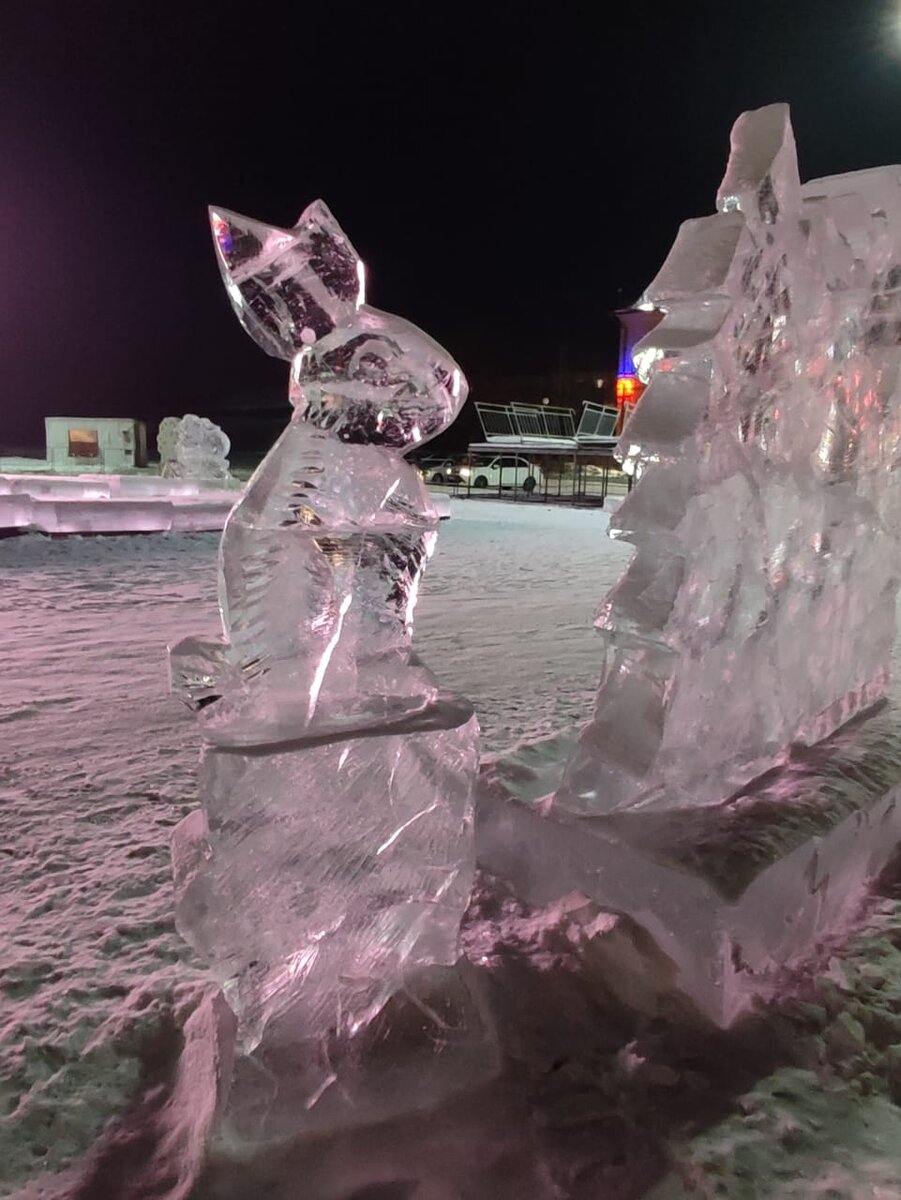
[(628, 389)]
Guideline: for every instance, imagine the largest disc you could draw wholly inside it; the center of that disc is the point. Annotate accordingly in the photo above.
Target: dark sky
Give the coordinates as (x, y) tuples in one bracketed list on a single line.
[(509, 172)]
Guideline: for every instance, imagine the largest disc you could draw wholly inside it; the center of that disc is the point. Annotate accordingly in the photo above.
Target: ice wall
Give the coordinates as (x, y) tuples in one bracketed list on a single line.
[(759, 608)]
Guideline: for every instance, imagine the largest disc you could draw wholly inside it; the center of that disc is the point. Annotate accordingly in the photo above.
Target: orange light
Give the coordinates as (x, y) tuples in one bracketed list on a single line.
[(628, 389)]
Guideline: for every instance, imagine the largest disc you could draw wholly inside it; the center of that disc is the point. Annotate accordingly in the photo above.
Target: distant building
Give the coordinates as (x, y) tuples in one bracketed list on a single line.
[(107, 445)]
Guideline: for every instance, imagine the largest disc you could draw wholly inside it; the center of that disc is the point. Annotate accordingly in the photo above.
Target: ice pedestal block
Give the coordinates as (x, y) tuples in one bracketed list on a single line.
[(735, 896), (314, 917), (86, 504), (758, 611), (326, 873), (432, 1040), (317, 874)]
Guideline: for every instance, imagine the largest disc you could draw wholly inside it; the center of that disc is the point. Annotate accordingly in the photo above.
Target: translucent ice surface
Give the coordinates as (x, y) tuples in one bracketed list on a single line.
[(758, 610), (288, 287), (84, 504), (333, 853), (192, 447), (336, 869), (167, 443)]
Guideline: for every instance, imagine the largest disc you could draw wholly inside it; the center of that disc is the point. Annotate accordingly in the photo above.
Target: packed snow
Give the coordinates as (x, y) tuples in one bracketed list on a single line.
[(98, 763)]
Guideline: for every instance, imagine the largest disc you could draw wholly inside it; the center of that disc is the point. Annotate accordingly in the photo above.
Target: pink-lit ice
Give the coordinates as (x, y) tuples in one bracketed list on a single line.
[(332, 856), (758, 610), (89, 504)]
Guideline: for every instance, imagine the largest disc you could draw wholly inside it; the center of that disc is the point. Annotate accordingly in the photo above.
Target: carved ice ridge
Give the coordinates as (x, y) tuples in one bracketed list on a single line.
[(759, 608)]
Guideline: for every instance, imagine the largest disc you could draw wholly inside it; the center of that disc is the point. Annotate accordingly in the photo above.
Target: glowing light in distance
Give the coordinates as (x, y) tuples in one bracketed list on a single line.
[(627, 389)]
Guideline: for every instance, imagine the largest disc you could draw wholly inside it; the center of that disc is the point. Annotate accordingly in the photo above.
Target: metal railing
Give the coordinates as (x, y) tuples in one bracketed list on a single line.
[(543, 422), (536, 422), (497, 421), (536, 452), (598, 421)]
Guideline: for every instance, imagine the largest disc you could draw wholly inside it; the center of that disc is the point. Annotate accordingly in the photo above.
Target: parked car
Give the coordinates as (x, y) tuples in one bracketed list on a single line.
[(504, 470), (439, 472)]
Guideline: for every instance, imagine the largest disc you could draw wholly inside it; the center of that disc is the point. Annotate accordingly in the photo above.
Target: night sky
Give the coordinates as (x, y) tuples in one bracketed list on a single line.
[(510, 173)]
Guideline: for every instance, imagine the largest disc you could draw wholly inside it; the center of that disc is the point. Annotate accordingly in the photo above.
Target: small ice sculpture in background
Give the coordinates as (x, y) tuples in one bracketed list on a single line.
[(333, 855), (166, 445), (759, 608), (192, 447)]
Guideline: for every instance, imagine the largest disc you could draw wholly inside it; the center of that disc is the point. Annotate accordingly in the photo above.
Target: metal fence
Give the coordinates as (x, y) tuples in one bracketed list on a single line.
[(557, 478), (527, 421), (598, 422)]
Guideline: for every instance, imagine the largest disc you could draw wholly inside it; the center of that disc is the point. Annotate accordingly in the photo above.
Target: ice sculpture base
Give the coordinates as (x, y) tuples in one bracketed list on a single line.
[(314, 917), (433, 1041), (96, 504), (735, 896)]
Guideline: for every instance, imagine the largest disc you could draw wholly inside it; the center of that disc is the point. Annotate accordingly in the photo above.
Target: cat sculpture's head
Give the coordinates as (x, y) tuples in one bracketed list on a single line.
[(361, 374)]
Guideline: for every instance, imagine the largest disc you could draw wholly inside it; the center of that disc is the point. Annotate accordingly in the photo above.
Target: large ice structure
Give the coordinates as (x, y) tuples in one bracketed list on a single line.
[(758, 611), (332, 858), (192, 447), (722, 797)]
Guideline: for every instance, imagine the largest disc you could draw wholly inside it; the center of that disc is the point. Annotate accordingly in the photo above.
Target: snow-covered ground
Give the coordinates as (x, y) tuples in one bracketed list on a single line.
[(97, 764)]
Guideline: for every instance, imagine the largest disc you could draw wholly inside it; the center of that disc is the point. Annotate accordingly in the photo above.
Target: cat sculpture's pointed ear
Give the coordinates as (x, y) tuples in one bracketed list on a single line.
[(289, 287)]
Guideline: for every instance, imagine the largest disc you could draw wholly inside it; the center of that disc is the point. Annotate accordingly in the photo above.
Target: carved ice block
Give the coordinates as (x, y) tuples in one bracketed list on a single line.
[(334, 931), (329, 905), (433, 1039), (758, 610), (735, 895), (326, 873)]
